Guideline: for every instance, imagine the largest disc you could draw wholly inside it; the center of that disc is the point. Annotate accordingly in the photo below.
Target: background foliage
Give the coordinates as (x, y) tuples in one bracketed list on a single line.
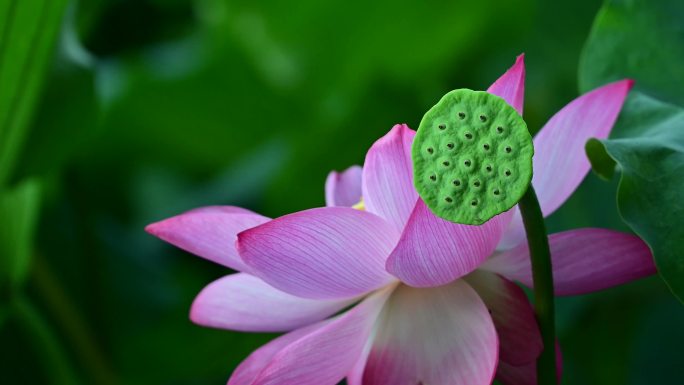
[(117, 113)]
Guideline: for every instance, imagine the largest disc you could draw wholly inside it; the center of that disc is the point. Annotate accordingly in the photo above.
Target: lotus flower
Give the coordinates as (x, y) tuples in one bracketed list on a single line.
[(375, 289)]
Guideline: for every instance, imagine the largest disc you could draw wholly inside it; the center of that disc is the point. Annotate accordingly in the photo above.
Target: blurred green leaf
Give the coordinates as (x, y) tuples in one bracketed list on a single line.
[(657, 346), (644, 40), (18, 215), (4, 313), (28, 30), (641, 39), (650, 154), (53, 355), (66, 119)]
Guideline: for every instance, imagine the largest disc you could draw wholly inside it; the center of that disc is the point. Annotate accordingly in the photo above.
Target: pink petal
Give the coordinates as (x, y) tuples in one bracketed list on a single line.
[(388, 177), (326, 355), (584, 261), (343, 188), (560, 163), (355, 376), (515, 233), (519, 338), (330, 252), (437, 336), (526, 374), (432, 251), (245, 302), (511, 85), (209, 232), (247, 371), (509, 374)]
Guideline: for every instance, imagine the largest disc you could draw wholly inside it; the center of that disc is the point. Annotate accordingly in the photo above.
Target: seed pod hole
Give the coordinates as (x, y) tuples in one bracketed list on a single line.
[(448, 199), (461, 115), (477, 183), (442, 127), (446, 163), (489, 168), (467, 163), (450, 146), (500, 130), (496, 192), (483, 118), (508, 149), (433, 177), (456, 182), (486, 146), (473, 202), (508, 173), (468, 135)]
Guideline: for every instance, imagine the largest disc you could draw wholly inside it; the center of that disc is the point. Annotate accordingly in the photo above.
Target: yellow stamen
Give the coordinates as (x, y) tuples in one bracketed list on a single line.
[(360, 206)]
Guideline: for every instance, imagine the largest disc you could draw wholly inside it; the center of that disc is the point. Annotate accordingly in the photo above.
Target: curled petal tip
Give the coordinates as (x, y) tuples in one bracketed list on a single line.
[(155, 228), (629, 83), (520, 58), (401, 127)]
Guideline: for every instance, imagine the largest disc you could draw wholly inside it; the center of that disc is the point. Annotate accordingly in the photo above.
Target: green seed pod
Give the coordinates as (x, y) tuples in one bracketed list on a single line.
[(472, 157)]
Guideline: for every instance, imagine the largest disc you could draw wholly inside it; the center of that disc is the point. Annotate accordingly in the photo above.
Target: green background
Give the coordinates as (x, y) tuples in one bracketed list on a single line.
[(118, 113)]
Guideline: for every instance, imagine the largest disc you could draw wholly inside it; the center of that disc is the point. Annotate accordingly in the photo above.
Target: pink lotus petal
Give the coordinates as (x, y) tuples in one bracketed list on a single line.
[(432, 251), (560, 163), (245, 302), (509, 374), (388, 177), (515, 233), (209, 232), (584, 261), (355, 376), (323, 253), (526, 374), (343, 188), (326, 355), (437, 336), (519, 338), (511, 85), (247, 371)]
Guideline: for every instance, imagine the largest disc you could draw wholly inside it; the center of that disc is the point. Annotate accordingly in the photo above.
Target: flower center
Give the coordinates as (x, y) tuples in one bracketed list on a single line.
[(360, 205)]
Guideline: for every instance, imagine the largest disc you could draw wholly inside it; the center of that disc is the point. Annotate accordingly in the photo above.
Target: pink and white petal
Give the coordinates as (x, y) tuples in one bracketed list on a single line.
[(511, 85), (519, 338), (355, 376), (343, 188), (584, 260), (560, 163), (437, 336), (515, 233), (323, 253), (247, 371), (433, 252), (388, 176), (526, 374), (326, 356), (209, 232), (246, 303)]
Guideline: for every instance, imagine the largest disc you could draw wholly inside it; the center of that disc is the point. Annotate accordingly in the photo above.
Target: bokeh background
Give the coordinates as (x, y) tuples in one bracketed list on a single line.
[(152, 107)]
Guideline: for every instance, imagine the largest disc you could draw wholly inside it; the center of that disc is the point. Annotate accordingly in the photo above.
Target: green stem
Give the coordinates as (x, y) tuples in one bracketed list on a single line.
[(542, 274)]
